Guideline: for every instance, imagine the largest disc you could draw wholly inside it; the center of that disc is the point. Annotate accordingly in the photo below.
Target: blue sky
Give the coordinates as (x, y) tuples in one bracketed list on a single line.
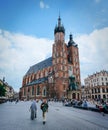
[(38, 18), (27, 34)]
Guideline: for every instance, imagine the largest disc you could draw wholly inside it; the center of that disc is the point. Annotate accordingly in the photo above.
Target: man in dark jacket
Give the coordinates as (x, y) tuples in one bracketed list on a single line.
[(44, 108)]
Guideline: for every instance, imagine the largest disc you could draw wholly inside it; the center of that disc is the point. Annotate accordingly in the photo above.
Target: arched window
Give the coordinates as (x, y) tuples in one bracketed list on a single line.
[(32, 90), (44, 91), (73, 96), (38, 90)]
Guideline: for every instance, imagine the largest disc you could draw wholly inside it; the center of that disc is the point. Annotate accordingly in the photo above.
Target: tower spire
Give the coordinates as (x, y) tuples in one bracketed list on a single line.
[(59, 21), (59, 27)]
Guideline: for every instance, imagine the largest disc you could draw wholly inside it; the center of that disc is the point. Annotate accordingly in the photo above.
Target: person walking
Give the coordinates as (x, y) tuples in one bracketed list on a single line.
[(33, 109), (44, 107), (105, 108)]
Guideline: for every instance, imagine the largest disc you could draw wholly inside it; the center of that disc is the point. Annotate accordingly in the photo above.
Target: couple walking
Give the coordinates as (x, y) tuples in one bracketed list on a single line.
[(43, 107)]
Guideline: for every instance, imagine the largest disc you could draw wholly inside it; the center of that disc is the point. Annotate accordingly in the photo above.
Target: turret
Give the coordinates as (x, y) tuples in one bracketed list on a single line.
[(71, 42)]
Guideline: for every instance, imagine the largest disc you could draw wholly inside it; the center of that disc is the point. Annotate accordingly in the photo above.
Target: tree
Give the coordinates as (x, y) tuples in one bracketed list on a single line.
[(2, 90)]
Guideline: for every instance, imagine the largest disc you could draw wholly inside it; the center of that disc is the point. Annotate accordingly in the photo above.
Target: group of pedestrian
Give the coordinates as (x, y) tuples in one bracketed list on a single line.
[(103, 108), (43, 107)]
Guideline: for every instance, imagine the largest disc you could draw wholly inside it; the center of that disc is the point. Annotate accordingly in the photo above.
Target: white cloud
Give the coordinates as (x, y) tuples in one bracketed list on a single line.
[(43, 5), (93, 52), (18, 52)]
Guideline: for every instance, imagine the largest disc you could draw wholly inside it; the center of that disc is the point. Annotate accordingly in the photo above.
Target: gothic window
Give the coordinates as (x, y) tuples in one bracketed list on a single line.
[(32, 90), (70, 59), (58, 36), (62, 37), (64, 61), (44, 92), (26, 80), (78, 77), (64, 75), (61, 60), (64, 55), (60, 53), (54, 55), (76, 52), (38, 90), (29, 80), (65, 68), (54, 49), (57, 54), (61, 67), (54, 62)]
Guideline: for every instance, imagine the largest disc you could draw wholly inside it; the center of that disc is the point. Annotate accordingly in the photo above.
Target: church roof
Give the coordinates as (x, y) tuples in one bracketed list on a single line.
[(39, 66), (37, 81)]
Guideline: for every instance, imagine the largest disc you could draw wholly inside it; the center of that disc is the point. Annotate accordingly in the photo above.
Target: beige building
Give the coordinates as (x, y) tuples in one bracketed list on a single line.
[(96, 85), (9, 90)]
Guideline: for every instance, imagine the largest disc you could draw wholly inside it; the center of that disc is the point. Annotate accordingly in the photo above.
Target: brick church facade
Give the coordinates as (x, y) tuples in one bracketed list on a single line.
[(59, 75)]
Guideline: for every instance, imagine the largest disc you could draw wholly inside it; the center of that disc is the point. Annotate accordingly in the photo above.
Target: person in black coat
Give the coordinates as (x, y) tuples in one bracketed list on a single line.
[(44, 108)]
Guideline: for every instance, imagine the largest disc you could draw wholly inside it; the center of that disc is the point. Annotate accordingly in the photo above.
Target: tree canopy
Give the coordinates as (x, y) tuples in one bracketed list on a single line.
[(2, 90)]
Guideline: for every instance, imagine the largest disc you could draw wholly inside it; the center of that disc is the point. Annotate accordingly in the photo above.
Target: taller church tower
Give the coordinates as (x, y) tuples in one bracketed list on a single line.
[(60, 62)]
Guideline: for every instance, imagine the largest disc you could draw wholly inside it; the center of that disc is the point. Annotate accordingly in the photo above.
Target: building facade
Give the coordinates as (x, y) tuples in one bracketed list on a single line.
[(96, 85), (59, 75), (9, 89)]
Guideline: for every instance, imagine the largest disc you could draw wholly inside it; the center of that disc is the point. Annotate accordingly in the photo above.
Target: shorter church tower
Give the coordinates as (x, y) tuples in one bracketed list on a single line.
[(74, 69), (73, 59)]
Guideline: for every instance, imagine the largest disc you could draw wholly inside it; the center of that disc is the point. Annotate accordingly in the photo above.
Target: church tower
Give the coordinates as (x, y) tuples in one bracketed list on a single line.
[(73, 59), (73, 70), (59, 60)]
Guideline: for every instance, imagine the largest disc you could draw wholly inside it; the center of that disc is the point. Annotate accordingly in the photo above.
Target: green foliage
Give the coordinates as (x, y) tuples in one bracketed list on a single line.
[(2, 90)]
